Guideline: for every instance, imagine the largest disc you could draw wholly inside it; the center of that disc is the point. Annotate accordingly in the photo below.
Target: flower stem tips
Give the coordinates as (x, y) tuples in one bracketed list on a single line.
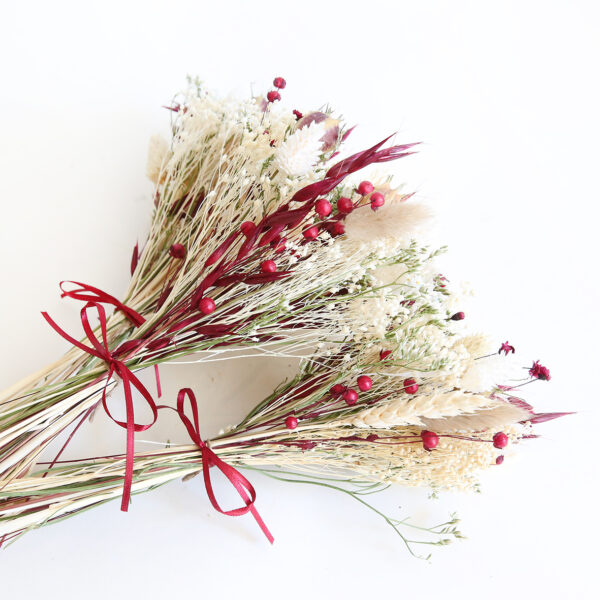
[(323, 207), (377, 200), (430, 439), (350, 397), (311, 233), (345, 205), (365, 188), (411, 386), (247, 228), (206, 306), (500, 440), (365, 383), (177, 251), (268, 266), (291, 422), (337, 389), (339, 228), (459, 316)]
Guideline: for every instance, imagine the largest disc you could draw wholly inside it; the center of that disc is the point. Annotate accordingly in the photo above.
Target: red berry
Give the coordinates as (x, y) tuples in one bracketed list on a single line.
[(365, 383), (337, 389), (383, 354), (350, 396), (345, 205), (291, 422), (273, 95), (411, 386), (459, 316), (268, 266), (500, 440), (311, 233), (323, 207), (430, 439), (247, 228), (377, 200), (297, 114), (339, 228), (177, 251), (365, 188), (207, 306), (279, 82), (499, 459)]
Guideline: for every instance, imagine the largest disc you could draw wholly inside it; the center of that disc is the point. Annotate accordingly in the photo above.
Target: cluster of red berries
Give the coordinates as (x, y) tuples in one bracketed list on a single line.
[(365, 188), (350, 396), (345, 206), (273, 95)]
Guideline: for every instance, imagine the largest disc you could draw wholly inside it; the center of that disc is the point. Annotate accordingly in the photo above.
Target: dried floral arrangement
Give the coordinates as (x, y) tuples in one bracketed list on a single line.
[(262, 238)]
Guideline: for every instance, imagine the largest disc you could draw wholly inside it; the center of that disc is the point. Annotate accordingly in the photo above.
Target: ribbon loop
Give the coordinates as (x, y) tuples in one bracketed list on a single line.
[(99, 349), (210, 459), (90, 294)]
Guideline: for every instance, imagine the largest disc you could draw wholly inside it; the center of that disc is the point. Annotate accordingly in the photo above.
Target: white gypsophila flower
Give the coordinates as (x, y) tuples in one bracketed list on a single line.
[(300, 151)]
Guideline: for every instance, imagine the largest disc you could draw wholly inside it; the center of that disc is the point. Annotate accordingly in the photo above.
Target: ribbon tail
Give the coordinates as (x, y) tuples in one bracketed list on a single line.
[(262, 524), (157, 376), (129, 458), (209, 458)]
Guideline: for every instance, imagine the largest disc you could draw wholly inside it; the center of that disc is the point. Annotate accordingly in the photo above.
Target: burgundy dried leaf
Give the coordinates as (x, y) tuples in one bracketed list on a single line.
[(286, 217), (349, 165), (163, 296), (319, 188), (348, 132), (543, 417), (229, 279), (218, 253), (218, 329), (134, 258), (159, 343), (270, 235), (266, 277), (127, 347), (520, 403)]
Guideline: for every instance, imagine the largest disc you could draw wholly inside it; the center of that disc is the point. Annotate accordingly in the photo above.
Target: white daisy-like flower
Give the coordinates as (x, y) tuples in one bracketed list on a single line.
[(300, 151)]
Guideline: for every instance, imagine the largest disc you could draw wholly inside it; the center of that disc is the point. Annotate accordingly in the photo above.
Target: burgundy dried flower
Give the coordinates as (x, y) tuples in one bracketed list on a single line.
[(506, 348), (538, 371), (273, 95), (297, 114), (279, 82)]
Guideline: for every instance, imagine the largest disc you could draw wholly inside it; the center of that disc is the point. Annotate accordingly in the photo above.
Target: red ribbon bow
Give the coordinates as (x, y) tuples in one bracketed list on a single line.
[(94, 295), (100, 349), (209, 459)]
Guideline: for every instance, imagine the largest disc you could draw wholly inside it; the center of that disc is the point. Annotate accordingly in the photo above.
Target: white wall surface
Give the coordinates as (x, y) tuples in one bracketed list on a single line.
[(505, 97)]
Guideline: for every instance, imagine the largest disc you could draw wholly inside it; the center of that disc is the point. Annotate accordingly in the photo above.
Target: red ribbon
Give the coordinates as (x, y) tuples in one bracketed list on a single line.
[(210, 459), (91, 294), (100, 350)]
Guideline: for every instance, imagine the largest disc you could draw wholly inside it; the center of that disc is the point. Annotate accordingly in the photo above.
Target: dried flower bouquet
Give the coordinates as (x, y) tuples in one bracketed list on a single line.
[(259, 240)]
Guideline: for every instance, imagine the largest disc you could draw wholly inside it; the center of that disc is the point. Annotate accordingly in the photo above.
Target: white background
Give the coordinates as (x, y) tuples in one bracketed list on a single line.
[(505, 96)]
